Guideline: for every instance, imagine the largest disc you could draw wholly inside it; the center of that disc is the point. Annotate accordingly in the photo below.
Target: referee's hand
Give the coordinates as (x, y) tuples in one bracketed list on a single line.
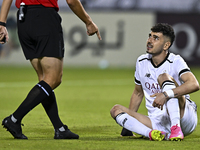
[(3, 35), (93, 29)]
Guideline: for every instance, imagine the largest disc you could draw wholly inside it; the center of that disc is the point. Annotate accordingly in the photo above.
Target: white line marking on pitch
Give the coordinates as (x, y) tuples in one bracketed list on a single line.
[(106, 82)]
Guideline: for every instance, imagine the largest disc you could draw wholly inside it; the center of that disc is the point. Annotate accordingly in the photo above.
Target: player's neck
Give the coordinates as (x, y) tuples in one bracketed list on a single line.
[(157, 59)]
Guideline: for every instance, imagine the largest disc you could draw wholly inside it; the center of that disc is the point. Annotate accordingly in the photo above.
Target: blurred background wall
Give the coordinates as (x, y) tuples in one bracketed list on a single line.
[(124, 27)]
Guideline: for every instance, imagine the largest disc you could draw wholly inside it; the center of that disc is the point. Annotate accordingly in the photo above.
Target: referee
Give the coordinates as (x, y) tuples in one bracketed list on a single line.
[(41, 38)]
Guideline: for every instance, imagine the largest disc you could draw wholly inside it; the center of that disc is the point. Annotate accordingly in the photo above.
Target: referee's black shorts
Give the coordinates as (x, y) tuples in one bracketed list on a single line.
[(40, 34)]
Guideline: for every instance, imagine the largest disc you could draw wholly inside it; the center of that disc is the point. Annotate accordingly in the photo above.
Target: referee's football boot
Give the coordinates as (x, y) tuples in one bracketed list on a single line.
[(176, 133), (67, 134), (156, 135), (14, 128)]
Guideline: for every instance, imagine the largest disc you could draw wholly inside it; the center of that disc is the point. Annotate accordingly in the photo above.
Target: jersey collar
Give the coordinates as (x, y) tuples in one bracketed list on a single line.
[(161, 62)]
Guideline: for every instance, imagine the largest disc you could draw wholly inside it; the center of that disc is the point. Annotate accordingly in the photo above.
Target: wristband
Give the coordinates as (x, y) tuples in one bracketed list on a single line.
[(3, 24), (170, 93)]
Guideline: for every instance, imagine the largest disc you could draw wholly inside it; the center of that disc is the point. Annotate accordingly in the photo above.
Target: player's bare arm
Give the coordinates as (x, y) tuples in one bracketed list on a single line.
[(77, 8), (136, 98), (190, 85)]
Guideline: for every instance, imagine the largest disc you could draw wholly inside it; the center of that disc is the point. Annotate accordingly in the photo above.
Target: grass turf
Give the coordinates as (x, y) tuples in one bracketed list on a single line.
[(84, 98)]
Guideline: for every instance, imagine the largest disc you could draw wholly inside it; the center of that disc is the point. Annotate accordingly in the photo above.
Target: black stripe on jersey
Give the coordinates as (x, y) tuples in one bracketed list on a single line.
[(143, 59), (137, 81), (183, 71), (169, 61)]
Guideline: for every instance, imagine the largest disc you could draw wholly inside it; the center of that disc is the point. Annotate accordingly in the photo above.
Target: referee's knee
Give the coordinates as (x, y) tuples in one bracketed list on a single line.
[(53, 81), (57, 81)]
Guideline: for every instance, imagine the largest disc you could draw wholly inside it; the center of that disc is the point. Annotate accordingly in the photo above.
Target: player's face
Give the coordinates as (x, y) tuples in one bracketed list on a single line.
[(155, 43)]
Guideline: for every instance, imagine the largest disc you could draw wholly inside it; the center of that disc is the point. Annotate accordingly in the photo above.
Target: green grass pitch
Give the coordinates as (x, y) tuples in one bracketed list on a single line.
[(84, 99)]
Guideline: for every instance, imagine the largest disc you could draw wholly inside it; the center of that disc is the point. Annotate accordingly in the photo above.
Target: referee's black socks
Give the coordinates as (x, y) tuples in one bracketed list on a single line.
[(37, 94), (51, 109)]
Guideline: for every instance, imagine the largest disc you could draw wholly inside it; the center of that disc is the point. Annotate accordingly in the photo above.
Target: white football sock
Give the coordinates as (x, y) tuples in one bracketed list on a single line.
[(174, 111), (62, 129), (13, 119), (132, 124), (172, 104)]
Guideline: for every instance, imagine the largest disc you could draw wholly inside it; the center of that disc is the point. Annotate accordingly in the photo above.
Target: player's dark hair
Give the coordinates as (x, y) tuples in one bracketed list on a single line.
[(166, 30)]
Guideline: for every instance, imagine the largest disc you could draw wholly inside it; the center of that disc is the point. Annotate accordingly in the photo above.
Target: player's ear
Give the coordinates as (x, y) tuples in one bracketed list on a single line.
[(167, 45)]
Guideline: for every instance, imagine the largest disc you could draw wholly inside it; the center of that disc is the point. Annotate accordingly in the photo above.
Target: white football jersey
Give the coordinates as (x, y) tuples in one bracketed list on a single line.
[(146, 75)]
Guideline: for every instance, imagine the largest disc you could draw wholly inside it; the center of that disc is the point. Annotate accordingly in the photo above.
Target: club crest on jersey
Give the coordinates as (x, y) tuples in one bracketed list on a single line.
[(164, 71)]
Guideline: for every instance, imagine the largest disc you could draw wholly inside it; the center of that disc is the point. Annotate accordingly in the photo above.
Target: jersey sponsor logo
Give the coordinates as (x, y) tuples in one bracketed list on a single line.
[(153, 87)]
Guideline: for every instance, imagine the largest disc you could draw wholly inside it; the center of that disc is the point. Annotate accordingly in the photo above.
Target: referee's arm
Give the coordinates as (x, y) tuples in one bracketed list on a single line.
[(5, 7), (77, 8)]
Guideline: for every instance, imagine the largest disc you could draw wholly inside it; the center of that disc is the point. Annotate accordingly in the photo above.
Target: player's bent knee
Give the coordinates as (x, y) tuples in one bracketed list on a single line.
[(163, 77), (115, 111)]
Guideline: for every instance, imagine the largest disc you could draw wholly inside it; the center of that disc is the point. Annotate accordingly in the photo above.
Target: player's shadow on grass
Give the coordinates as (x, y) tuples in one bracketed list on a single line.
[(102, 133)]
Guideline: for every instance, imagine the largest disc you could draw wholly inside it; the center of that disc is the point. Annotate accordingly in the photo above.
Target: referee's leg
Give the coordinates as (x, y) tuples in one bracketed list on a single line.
[(49, 69)]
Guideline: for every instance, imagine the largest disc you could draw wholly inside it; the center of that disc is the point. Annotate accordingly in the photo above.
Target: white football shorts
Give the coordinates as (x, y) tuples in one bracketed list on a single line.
[(188, 122)]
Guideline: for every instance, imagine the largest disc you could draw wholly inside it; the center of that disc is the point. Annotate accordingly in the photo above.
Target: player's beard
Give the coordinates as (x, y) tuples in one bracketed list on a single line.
[(154, 53)]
